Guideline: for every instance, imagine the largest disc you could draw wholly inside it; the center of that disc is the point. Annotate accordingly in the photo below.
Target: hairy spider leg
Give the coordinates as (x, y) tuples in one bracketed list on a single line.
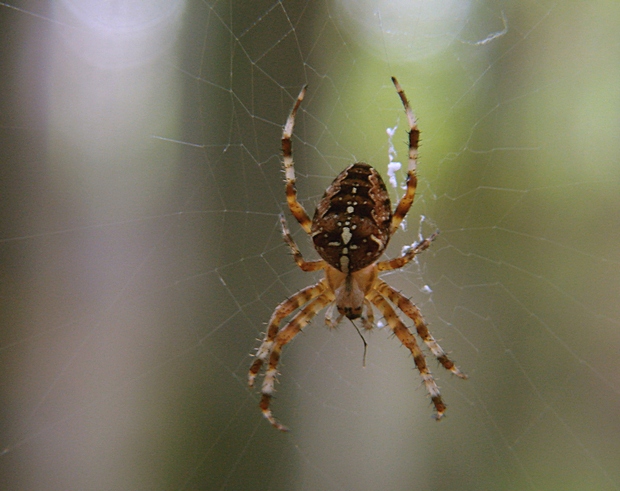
[(299, 259), (295, 206), (284, 309), (411, 311), (286, 335), (412, 252), (408, 339), (412, 181)]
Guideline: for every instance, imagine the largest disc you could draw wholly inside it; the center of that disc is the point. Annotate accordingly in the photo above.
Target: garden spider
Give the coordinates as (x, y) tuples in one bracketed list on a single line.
[(351, 228)]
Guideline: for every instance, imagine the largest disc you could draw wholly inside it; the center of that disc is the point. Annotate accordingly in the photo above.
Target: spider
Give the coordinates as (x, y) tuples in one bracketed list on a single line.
[(351, 228)]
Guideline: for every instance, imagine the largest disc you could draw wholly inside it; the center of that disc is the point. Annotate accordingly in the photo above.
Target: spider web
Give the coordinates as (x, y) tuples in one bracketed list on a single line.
[(142, 255)]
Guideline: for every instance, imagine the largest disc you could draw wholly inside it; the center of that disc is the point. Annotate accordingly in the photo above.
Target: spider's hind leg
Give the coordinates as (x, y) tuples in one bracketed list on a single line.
[(412, 182), (295, 206)]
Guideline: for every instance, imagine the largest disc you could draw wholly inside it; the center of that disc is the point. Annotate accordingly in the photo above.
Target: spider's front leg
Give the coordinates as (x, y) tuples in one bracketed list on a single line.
[(283, 310), (411, 311), (407, 339), (286, 335)]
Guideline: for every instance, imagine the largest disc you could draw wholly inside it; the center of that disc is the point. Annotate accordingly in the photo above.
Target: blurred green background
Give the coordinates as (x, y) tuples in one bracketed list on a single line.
[(141, 254)]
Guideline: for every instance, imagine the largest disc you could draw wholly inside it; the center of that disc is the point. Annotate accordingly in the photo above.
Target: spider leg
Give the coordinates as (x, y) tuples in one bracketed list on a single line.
[(284, 309), (299, 259), (283, 337), (412, 252), (295, 206), (414, 139), (407, 339), (411, 311)]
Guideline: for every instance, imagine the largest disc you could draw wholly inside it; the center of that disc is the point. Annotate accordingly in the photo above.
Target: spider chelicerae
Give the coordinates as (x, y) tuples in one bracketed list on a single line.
[(350, 230)]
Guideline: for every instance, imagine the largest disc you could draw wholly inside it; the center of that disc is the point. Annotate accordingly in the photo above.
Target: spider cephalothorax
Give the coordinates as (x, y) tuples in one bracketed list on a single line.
[(351, 228)]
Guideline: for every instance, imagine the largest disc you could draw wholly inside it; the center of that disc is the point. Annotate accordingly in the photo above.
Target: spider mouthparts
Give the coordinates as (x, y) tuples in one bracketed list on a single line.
[(352, 314)]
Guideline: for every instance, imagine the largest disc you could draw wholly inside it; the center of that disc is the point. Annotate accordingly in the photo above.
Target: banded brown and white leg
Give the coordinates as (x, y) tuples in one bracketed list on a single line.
[(411, 311), (407, 338), (283, 310), (412, 181), (286, 335), (299, 259), (412, 252), (295, 206)]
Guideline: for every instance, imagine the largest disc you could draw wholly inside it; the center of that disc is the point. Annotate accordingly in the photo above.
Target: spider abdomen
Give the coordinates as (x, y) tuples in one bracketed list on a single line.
[(351, 224)]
